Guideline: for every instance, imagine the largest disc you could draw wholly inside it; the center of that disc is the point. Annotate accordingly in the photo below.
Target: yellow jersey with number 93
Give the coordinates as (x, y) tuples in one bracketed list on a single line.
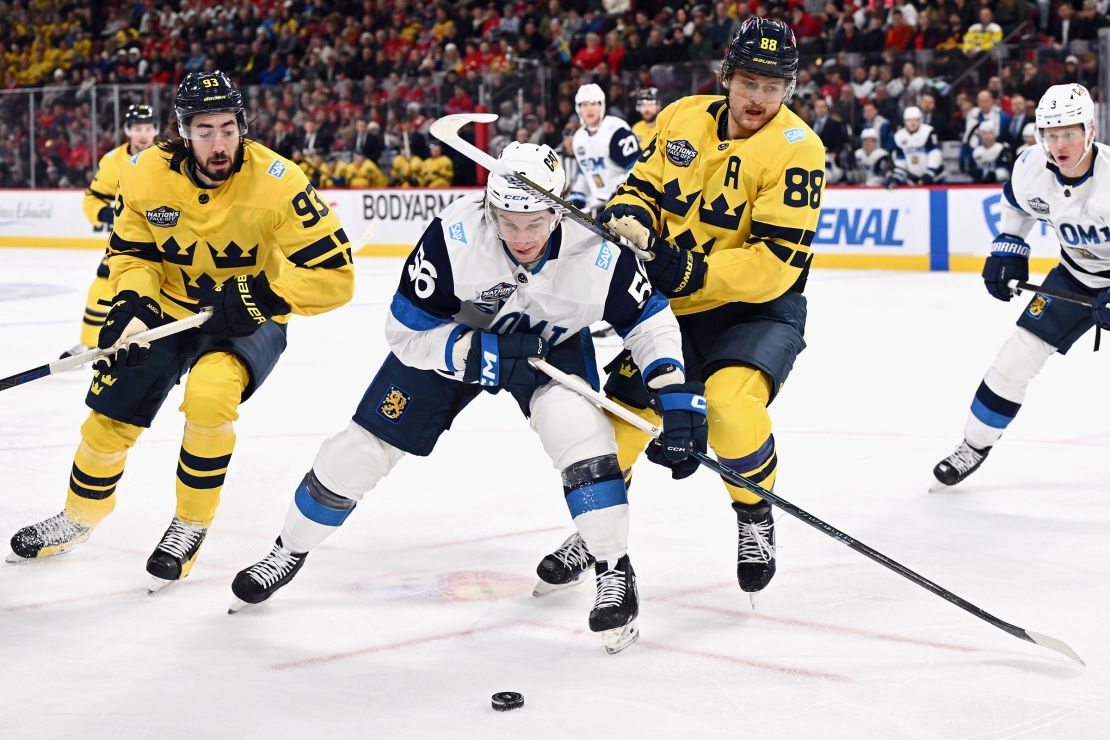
[(175, 240), (750, 204)]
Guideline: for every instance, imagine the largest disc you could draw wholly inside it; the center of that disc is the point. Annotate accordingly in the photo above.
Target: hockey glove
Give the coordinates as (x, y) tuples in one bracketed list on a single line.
[(106, 216), (675, 271), (1009, 260), (632, 222), (1100, 310), (578, 200), (683, 409), (129, 315), (500, 360), (241, 305)]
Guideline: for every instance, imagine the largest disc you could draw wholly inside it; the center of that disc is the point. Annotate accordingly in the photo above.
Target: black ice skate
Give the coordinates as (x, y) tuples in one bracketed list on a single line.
[(257, 583), (957, 466), (51, 536), (616, 606), (755, 547), (564, 567), (174, 557)]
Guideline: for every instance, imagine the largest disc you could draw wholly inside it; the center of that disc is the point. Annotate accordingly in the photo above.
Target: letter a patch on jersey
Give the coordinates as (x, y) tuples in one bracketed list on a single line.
[(394, 404)]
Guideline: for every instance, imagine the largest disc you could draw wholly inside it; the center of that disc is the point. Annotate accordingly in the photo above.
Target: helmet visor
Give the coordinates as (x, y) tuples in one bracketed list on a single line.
[(516, 227)]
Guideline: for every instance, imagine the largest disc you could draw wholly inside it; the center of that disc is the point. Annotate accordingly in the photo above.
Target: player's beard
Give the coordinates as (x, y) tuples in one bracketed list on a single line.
[(224, 173)]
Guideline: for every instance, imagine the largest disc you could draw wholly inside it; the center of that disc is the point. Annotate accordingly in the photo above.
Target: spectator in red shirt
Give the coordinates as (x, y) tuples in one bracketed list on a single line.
[(590, 56), (460, 102), (899, 34)]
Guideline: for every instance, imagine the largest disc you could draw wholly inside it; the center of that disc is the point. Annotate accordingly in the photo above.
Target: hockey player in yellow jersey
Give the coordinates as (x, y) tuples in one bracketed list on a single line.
[(436, 171), (647, 105), (405, 169), (140, 129), (727, 197), (207, 219)]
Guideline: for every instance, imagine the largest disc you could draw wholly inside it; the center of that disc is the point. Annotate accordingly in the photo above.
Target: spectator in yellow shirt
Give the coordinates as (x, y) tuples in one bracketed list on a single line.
[(982, 36)]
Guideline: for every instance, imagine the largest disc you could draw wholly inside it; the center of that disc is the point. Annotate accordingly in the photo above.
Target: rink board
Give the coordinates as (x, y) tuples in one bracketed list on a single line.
[(859, 228)]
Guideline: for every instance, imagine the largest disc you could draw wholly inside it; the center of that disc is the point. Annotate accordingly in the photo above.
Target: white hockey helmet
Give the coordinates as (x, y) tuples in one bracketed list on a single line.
[(1066, 105), (540, 164), (591, 93), (1029, 129), (912, 113), (869, 133)]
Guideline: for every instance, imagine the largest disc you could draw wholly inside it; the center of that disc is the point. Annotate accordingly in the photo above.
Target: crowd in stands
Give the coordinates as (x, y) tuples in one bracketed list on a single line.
[(347, 89)]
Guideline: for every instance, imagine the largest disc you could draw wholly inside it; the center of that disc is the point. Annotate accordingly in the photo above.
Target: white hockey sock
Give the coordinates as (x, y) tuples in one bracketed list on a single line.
[(1000, 395)]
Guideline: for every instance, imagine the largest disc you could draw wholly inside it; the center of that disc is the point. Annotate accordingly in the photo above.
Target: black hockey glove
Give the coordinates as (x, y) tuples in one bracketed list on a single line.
[(501, 360), (106, 216), (1009, 260), (241, 305), (683, 409), (1100, 310), (130, 314), (675, 271)]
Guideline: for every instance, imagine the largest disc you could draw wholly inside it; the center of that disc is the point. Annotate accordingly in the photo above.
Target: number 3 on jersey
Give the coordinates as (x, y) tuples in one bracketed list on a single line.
[(803, 188)]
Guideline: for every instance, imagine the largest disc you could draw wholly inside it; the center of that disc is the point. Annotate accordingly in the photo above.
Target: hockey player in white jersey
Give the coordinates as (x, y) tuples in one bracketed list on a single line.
[(1028, 138), (991, 159), (605, 149), (873, 163), (1065, 183), (496, 280), (917, 156)]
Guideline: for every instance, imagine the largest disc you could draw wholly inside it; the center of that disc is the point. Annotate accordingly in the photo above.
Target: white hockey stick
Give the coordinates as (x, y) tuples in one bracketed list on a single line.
[(68, 363), (446, 129), (582, 388)]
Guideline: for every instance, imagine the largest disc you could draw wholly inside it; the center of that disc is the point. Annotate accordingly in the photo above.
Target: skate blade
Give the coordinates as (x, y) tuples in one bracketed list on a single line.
[(619, 638), (237, 605), (13, 558), (543, 588), (936, 486), (753, 596), (157, 584)]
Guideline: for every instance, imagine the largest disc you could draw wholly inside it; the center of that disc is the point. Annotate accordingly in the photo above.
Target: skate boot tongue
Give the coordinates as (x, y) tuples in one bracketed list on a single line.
[(255, 584), (173, 559), (616, 605)]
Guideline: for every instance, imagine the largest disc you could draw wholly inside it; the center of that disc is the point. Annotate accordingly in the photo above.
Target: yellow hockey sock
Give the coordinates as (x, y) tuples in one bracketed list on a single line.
[(202, 464), (740, 427), (97, 303), (97, 468)]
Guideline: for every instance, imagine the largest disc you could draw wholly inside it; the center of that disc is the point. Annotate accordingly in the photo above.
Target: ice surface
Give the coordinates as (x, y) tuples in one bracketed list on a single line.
[(408, 619)]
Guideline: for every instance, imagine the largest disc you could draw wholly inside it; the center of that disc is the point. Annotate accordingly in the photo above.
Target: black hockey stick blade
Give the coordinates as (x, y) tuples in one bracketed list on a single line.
[(738, 480), (1063, 295)]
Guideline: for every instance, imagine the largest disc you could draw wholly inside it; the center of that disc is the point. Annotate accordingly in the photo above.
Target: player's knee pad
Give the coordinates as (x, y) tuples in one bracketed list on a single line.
[(1020, 359), (215, 389), (353, 461), (740, 426), (570, 427), (108, 437)]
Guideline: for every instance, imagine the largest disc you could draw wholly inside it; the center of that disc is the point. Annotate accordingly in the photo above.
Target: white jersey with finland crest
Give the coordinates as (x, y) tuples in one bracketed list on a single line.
[(460, 276), (1078, 209)]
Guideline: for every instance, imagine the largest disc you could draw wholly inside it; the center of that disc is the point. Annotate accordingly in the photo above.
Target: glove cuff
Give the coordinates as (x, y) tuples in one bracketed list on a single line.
[(265, 296), (1005, 244)]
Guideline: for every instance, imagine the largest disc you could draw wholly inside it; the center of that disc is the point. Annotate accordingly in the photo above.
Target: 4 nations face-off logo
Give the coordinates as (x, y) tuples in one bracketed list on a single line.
[(163, 216)]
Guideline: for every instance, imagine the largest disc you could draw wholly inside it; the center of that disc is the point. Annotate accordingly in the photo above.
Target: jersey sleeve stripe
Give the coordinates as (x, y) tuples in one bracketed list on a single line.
[(655, 303), (313, 251), (337, 260), (412, 316), (1008, 194), (143, 250), (659, 363), (449, 349), (644, 187), (100, 196), (791, 257), (786, 233)]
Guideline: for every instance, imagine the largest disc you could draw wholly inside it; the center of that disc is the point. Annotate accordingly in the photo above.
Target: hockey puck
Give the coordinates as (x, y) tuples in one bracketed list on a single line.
[(505, 701)]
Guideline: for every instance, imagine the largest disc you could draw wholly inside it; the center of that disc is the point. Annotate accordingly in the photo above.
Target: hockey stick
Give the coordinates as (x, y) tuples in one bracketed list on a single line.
[(446, 129), (1017, 286), (580, 387), (68, 363)]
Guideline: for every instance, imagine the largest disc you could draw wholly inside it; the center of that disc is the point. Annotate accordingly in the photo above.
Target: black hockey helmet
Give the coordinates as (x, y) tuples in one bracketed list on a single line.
[(208, 92), (647, 95), (138, 113), (764, 46)]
